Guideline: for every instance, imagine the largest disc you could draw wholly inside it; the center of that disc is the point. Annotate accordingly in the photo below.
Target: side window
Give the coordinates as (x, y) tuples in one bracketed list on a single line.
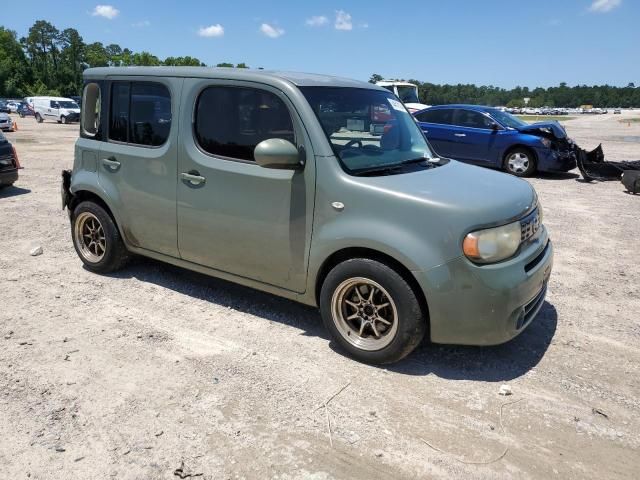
[(471, 119), (53, 104), (91, 105), (231, 121), (441, 116), (140, 113), (119, 112), (150, 118)]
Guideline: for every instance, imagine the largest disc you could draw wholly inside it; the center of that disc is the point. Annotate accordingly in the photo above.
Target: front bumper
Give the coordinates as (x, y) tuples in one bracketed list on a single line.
[(489, 304), (556, 160), (8, 177)]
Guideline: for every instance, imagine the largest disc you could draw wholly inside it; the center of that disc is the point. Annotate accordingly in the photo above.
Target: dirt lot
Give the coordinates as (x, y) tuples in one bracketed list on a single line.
[(129, 375)]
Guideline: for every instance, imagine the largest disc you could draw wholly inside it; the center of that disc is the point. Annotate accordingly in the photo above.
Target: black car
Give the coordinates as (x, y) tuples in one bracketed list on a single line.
[(9, 163), (4, 108)]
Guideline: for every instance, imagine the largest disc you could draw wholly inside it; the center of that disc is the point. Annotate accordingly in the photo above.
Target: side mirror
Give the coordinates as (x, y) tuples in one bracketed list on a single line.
[(493, 125), (277, 153)]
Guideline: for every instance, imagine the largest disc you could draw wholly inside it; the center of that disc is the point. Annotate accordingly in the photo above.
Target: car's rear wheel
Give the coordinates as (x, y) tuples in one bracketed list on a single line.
[(96, 238), (63, 120), (520, 162), (371, 311)]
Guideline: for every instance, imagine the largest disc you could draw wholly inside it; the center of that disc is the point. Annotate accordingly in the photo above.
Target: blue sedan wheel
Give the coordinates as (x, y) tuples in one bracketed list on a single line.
[(520, 162)]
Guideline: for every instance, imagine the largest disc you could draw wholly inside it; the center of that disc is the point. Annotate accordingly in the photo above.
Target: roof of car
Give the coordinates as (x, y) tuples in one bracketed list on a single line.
[(298, 79), (479, 108)]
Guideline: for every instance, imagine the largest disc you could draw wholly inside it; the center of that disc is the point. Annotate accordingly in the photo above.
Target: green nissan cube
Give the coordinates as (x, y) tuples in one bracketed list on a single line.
[(319, 189)]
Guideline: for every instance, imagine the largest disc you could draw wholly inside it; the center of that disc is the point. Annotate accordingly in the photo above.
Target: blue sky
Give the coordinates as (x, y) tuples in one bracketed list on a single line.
[(497, 42)]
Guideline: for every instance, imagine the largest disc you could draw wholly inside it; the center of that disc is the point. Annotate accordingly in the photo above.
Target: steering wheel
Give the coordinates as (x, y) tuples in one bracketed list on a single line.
[(351, 143)]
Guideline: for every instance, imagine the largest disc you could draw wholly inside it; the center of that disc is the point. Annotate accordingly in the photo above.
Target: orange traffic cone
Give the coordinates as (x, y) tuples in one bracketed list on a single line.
[(15, 126)]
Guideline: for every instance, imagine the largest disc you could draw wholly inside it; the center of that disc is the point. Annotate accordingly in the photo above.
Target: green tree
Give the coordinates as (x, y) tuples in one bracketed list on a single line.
[(14, 69)]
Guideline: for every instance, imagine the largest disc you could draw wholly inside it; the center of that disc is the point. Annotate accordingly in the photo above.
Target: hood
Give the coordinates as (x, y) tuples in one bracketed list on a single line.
[(469, 196), (541, 128), (4, 116)]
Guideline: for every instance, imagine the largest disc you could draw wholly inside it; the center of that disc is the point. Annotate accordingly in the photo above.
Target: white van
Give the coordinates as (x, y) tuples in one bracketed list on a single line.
[(60, 109), (407, 92)]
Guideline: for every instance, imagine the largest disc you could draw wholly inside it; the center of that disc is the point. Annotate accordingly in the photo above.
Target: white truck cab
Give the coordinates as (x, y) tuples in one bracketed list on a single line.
[(60, 109), (405, 91)]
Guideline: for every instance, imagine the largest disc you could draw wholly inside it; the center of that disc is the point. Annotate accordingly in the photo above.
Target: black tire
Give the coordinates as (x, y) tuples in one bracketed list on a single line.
[(39, 118), (531, 163), (409, 315), (21, 115), (63, 120), (114, 254)]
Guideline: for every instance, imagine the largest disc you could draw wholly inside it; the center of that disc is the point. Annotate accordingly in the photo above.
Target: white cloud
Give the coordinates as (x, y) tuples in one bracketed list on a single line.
[(107, 11), (317, 21), (604, 6), (343, 21), (271, 31), (216, 30), (141, 24)]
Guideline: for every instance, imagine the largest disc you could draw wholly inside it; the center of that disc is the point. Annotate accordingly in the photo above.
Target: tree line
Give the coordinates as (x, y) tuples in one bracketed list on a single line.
[(560, 96), (49, 61)]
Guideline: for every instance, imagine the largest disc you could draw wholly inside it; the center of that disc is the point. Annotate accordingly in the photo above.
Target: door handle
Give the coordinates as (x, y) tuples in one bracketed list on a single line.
[(111, 163), (460, 134), (193, 177)]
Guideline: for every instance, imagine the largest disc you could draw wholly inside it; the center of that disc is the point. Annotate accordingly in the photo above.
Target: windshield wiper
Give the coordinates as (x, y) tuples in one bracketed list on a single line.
[(393, 166)]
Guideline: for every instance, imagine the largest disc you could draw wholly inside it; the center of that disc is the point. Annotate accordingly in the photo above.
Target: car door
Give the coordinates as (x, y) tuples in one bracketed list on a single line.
[(138, 160), (474, 136), (233, 215), (51, 112), (436, 125)]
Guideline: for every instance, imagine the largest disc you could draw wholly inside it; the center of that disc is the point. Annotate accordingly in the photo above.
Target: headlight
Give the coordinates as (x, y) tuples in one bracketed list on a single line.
[(492, 244)]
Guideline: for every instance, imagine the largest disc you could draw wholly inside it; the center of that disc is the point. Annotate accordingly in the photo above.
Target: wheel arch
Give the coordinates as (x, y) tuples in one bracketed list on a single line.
[(344, 254), (88, 195), (515, 146)]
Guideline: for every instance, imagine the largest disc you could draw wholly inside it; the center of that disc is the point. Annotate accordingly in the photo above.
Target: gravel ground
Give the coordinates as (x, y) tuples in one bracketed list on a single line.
[(157, 369)]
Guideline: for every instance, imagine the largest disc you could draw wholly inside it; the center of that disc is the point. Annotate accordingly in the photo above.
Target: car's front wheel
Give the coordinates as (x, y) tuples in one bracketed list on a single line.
[(371, 311), (39, 118), (96, 238), (63, 120), (520, 162)]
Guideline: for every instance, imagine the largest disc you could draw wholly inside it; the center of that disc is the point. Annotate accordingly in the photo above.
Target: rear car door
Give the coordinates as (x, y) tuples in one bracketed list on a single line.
[(474, 136), (234, 215), (138, 160), (436, 125)]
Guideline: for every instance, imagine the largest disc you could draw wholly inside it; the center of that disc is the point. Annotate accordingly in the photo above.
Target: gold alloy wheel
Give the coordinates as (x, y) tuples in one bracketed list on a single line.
[(364, 313), (90, 237)]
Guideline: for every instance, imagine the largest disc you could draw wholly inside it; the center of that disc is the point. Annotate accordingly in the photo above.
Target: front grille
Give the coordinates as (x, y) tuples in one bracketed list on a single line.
[(533, 307), (529, 226)]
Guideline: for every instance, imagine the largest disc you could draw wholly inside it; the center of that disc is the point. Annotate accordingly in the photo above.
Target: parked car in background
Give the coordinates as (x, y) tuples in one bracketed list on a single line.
[(4, 108), (488, 137), (406, 92), (60, 109), (25, 110), (6, 123), (617, 111), (9, 163), (282, 182)]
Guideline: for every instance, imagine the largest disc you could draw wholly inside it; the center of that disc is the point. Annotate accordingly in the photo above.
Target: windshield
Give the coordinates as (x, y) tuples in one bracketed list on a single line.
[(367, 129), (67, 104), (507, 120), (408, 94)]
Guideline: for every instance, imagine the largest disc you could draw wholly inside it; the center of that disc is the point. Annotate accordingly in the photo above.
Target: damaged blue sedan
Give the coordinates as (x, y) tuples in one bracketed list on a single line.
[(490, 137)]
